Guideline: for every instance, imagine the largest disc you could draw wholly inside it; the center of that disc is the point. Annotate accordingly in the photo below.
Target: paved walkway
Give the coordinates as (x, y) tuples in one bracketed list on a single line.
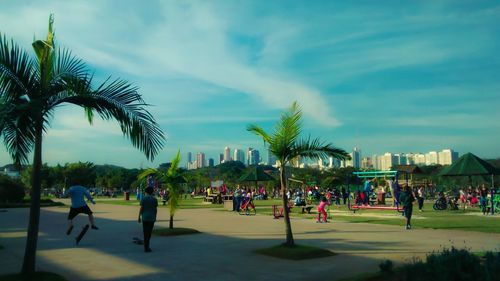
[(224, 251)]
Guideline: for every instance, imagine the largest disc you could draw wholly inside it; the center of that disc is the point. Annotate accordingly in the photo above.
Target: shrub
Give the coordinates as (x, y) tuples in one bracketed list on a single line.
[(454, 264), (386, 267), (11, 191)]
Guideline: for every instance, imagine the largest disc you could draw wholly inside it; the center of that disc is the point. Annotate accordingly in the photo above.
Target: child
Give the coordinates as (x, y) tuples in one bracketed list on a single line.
[(148, 211), (321, 209)]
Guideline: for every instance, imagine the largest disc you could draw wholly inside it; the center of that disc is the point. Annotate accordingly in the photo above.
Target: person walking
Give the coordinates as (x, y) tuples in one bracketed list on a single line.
[(77, 193), (420, 198), (483, 199), (149, 207), (321, 209), (406, 199)]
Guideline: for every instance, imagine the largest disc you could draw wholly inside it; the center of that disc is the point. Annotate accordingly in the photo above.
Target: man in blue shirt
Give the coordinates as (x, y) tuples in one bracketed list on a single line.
[(78, 206), (149, 207), (367, 190)]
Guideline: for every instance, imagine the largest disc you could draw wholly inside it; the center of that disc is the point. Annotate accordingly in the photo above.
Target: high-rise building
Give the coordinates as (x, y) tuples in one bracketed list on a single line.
[(356, 158), (227, 154), (239, 155), (376, 162), (400, 159), (200, 160), (387, 161), (432, 158), (447, 157), (348, 162), (253, 156), (210, 162), (189, 157), (221, 158), (271, 159), (419, 159), (366, 163)]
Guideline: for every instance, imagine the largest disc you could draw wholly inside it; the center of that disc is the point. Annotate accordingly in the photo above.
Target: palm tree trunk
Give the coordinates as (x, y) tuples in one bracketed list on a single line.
[(288, 226), (29, 261), (171, 223)]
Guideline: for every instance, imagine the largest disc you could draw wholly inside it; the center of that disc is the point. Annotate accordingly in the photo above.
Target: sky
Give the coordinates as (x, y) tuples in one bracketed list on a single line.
[(386, 76)]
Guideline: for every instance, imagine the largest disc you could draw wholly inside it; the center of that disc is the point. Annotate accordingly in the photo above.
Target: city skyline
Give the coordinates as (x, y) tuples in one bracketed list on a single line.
[(385, 161), (383, 76)]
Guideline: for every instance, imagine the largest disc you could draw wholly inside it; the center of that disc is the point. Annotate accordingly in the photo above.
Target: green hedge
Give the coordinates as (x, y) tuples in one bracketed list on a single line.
[(11, 191), (450, 264)]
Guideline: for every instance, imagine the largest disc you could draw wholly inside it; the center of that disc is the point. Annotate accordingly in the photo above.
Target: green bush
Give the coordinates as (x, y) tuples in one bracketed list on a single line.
[(11, 191), (454, 264), (386, 267)]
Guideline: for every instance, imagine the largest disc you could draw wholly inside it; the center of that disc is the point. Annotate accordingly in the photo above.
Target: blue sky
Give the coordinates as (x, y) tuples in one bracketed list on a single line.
[(398, 76)]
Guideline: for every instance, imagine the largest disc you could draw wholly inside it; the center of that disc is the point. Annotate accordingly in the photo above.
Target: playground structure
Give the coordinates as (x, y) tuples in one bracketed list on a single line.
[(393, 175)]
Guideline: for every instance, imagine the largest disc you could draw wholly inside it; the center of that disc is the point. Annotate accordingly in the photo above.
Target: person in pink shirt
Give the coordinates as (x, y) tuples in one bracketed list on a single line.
[(321, 210)]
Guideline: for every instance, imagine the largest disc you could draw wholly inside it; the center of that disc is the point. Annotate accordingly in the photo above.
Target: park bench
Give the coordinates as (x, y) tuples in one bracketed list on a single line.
[(208, 199)]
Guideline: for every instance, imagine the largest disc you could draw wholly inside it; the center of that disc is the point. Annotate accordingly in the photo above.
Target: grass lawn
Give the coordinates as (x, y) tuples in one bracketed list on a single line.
[(37, 276), (44, 202), (296, 252), (174, 231), (469, 220), (188, 203)]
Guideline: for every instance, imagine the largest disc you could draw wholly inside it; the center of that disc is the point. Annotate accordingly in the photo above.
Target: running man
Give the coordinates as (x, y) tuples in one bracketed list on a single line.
[(78, 206)]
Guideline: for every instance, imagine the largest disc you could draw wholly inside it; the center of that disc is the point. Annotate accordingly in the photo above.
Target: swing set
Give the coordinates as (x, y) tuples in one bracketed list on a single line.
[(376, 174)]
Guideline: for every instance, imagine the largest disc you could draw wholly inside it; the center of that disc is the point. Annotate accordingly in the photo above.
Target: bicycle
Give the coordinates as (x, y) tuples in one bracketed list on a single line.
[(247, 207)]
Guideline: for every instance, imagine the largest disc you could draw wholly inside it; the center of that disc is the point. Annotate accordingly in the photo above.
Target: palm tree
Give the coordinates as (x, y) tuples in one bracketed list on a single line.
[(172, 179), (285, 144), (31, 90)]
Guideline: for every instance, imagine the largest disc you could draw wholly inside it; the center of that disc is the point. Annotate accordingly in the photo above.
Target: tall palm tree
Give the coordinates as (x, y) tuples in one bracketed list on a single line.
[(285, 144), (172, 179), (30, 91)]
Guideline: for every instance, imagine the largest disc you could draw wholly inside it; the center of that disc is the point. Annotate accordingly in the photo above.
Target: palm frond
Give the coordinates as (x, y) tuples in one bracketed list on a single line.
[(259, 132), (118, 100), (17, 131), (316, 149), (17, 71), (146, 173), (289, 128), (67, 65), (174, 165)]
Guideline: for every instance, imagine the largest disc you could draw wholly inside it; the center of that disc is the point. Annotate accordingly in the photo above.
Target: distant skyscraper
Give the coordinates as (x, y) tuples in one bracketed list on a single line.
[(200, 160), (356, 158), (447, 157), (189, 157), (366, 163), (347, 162), (227, 154), (210, 162), (376, 162), (432, 158), (387, 161), (221, 158), (400, 159), (419, 159), (239, 155), (333, 162), (271, 159), (253, 156)]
